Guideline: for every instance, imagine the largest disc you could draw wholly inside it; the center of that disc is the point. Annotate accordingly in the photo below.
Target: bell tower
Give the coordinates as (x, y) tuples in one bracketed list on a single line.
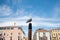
[(14, 24)]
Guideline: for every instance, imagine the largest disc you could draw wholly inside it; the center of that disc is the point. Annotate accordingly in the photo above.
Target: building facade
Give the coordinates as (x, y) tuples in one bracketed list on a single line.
[(55, 34), (41, 34), (12, 33)]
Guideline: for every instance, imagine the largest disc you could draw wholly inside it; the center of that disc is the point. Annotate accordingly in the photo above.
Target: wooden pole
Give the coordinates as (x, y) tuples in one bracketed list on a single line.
[(30, 31)]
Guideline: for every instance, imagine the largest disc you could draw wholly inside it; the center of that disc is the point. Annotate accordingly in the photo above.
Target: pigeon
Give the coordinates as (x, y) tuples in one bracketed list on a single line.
[(29, 20)]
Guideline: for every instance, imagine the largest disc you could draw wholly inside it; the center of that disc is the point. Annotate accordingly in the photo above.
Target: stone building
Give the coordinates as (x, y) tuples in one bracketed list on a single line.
[(41, 34), (55, 34), (12, 33)]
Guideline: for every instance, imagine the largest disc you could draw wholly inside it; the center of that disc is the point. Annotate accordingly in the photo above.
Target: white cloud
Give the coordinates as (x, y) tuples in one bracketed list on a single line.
[(11, 23), (37, 21), (21, 20), (20, 12), (46, 24), (49, 22), (46, 19), (5, 10)]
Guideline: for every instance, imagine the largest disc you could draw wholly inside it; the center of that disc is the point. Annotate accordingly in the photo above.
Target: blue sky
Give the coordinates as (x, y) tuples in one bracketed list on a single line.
[(45, 13)]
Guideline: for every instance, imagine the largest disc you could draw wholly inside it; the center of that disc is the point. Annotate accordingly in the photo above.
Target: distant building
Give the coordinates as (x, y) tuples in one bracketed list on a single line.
[(55, 34), (41, 34), (12, 33)]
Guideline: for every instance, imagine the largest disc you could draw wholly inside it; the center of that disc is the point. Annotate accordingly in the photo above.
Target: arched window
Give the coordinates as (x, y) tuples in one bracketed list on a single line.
[(10, 37), (44, 33), (44, 38), (54, 38), (19, 36), (3, 38), (40, 38), (4, 34), (11, 33)]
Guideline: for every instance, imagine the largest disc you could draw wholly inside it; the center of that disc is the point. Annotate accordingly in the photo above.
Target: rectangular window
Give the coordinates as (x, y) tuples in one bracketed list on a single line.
[(2, 28), (11, 38), (40, 38), (54, 38), (18, 37), (4, 34), (12, 28), (19, 28), (58, 34), (8, 28), (4, 38)]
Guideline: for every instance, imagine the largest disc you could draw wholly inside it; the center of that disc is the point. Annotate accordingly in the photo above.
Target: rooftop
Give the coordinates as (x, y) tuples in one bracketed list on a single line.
[(42, 30)]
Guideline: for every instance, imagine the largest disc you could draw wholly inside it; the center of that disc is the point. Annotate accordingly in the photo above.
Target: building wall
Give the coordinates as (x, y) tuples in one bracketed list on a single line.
[(35, 36), (47, 34), (41, 34), (14, 33), (55, 34), (51, 35)]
